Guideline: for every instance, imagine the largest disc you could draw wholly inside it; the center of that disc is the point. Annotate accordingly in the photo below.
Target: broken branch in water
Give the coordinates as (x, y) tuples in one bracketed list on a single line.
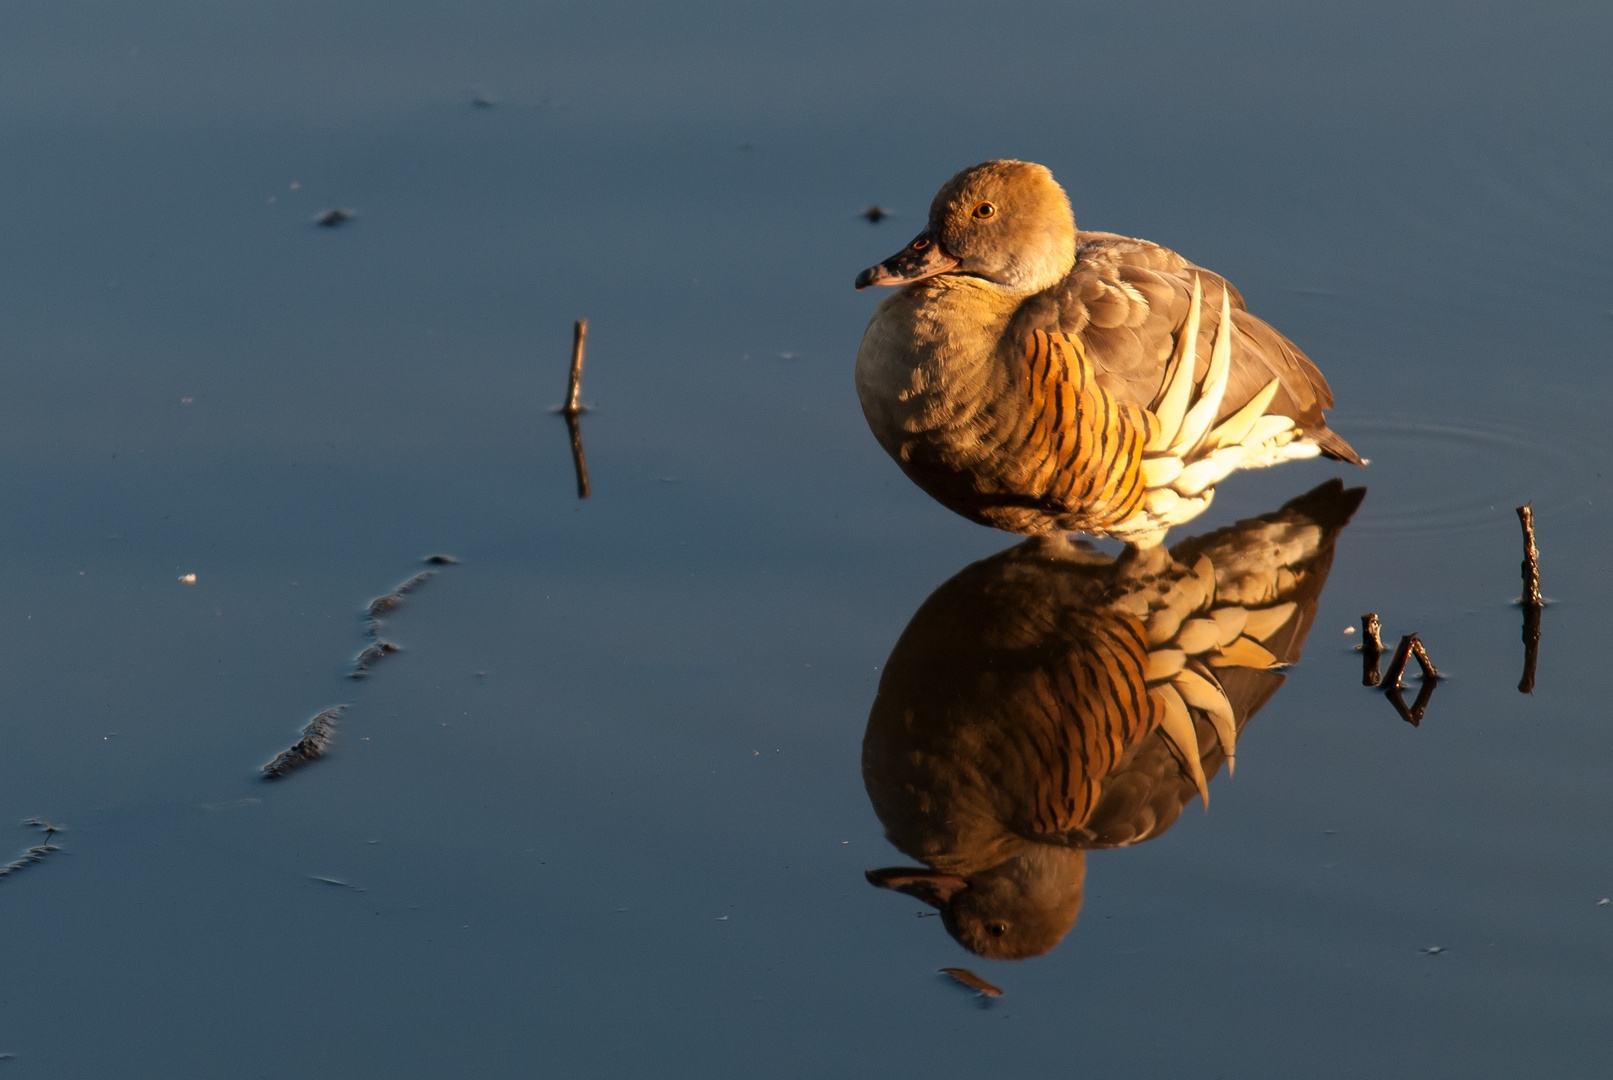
[(1429, 671), (579, 338), (1531, 599), (311, 747), (1410, 645), (1531, 558), (1397, 663), (1371, 649), (574, 408)]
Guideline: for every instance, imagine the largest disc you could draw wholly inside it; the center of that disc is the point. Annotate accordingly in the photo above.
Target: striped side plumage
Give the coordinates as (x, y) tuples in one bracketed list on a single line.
[(1076, 447), (1110, 467)]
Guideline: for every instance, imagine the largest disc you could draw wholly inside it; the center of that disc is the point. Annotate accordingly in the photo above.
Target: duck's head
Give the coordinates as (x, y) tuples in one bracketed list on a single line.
[(1006, 222), (1020, 908)]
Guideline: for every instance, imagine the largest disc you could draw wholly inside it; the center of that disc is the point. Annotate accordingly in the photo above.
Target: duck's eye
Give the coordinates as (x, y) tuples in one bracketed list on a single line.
[(920, 244), (998, 929), (986, 210)]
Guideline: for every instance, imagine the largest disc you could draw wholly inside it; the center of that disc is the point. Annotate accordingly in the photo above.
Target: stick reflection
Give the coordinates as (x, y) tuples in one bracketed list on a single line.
[(574, 427)]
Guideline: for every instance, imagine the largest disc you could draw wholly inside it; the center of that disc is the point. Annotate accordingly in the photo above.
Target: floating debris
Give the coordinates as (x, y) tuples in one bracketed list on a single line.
[(1348, 630), (317, 735), (311, 747), (36, 854), (1434, 950), (361, 665), (379, 648), (187, 579), (1603, 902), (334, 217), (875, 214), (973, 981), (481, 101)]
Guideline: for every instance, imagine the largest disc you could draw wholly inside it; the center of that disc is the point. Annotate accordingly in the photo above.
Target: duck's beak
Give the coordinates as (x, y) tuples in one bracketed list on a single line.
[(924, 257), (931, 886)]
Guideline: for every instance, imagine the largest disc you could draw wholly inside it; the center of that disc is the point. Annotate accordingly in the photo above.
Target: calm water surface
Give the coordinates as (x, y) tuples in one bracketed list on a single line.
[(604, 815)]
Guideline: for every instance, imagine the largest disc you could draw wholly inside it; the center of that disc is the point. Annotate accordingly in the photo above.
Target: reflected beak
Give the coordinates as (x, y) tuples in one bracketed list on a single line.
[(931, 886), (924, 257)]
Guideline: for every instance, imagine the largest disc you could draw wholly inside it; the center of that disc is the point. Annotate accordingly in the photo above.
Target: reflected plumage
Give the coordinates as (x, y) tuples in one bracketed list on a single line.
[(1040, 380), (1050, 699)]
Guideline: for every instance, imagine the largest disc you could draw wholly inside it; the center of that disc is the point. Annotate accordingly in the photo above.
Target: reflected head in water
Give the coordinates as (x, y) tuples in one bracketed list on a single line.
[(1050, 699)]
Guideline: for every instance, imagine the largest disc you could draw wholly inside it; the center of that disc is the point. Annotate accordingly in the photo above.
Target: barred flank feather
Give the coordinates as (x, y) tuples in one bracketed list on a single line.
[(1077, 447)]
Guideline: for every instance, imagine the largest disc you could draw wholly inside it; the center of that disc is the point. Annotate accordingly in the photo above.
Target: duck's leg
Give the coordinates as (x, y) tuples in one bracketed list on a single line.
[(1144, 558)]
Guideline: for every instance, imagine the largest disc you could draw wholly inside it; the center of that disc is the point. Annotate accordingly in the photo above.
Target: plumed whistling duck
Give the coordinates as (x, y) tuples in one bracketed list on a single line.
[(1043, 380)]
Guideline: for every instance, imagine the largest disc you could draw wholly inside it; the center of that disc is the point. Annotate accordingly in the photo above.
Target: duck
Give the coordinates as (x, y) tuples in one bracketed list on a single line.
[(1051, 700), (1042, 380)]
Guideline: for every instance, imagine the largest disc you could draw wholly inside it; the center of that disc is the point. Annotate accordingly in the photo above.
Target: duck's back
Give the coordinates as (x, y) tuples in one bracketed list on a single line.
[(1128, 301)]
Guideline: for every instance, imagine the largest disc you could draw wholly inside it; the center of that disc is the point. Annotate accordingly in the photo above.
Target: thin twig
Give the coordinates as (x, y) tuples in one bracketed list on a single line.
[(573, 408), (1371, 649), (1531, 647), (1531, 557), (574, 388), (1430, 672), (1397, 663), (581, 464)]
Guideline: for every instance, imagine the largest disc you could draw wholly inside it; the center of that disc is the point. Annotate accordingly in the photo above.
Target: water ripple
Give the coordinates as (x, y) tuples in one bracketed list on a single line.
[(1435, 476)]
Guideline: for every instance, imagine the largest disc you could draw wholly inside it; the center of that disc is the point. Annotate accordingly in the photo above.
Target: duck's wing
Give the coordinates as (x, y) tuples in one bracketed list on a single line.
[(1129, 302), (1267, 576)]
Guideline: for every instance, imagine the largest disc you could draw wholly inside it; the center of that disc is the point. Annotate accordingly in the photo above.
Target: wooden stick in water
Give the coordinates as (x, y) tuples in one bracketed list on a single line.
[(1397, 663), (1531, 557), (1430, 673), (1371, 648), (579, 339), (574, 408), (1530, 599)]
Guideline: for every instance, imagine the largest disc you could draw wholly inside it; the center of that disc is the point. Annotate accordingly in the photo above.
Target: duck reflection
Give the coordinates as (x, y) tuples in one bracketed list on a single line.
[(1050, 699)]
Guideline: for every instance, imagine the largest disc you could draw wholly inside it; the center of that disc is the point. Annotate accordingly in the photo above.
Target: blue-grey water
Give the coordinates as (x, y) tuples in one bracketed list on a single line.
[(603, 815)]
